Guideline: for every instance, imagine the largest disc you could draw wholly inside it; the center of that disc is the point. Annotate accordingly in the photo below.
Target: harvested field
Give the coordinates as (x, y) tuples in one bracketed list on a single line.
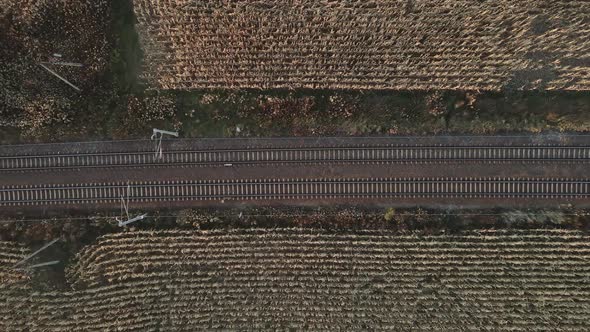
[(360, 44), (10, 254), (313, 280)]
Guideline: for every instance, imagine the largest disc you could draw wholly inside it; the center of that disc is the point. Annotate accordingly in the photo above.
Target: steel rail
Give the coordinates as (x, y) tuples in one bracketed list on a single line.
[(295, 189), (305, 155)]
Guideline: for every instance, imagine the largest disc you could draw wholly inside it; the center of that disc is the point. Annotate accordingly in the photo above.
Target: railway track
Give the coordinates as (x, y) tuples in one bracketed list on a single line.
[(294, 189), (304, 155)]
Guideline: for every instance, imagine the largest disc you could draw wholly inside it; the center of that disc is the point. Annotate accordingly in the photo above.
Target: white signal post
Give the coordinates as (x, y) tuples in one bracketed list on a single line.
[(163, 132), (158, 134), (125, 207)]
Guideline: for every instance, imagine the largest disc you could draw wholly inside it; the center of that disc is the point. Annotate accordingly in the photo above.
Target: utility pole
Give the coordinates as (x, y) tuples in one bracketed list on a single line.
[(35, 253), (56, 60), (61, 78), (60, 63), (43, 264)]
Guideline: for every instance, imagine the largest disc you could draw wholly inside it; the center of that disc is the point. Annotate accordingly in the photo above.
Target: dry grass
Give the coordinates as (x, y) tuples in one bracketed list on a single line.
[(366, 44), (313, 280), (31, 31)]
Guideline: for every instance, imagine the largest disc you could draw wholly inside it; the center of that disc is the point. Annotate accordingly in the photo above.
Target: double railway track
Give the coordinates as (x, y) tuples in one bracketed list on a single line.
[(303, 155), (295, 189), (245, 184)]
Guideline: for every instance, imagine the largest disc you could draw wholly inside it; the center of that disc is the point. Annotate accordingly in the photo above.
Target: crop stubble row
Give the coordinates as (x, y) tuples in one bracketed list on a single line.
[(365, 44), (310, 279), (10, 254)]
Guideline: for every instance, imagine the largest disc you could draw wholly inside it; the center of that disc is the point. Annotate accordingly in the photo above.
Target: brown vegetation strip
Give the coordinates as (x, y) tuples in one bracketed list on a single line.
[(314, 280), (366, 44)]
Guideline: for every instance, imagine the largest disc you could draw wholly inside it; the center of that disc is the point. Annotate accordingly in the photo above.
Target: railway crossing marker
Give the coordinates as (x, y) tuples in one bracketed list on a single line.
[(125, 207), (159, 134)]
